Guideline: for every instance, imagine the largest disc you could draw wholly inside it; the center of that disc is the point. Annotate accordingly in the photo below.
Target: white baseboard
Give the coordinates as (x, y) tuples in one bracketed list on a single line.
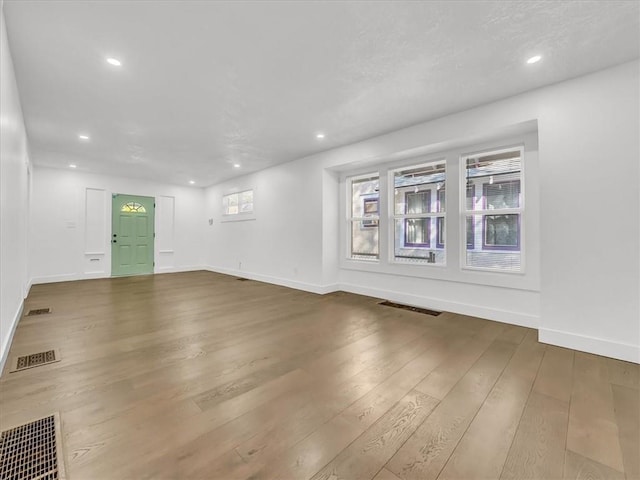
[(284, 282), (28, 287), (67, 277), (72, 277), (7, 343), (92, 276), (504, 316), (597, 346), (193, 268)]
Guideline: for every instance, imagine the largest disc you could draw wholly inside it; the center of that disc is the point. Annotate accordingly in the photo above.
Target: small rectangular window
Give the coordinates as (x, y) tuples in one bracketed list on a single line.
[(419, 213), (364, 216), (494, 210), (237, 203)]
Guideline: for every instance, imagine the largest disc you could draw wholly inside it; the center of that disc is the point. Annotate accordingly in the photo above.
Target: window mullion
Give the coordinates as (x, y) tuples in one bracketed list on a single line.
[(419, 215), (501, 211)]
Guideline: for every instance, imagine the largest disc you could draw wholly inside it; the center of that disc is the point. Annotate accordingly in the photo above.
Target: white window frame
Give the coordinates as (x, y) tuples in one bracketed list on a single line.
[(239, 216), (527, 279), (464, 212), (393, 217), (349, 218)]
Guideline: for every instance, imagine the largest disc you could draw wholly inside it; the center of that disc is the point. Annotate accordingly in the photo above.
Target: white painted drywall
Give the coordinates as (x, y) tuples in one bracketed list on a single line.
[(588, 144), (71, 224), (283, 244), (14, 199)]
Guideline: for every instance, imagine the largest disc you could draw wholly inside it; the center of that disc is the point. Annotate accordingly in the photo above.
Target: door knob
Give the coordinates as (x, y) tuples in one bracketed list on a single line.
[(115, 241)]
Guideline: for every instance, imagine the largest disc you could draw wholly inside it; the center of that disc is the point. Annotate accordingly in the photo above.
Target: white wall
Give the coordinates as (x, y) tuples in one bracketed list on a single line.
[(71, 224), (14, 199), (588, 142), (283, 244)]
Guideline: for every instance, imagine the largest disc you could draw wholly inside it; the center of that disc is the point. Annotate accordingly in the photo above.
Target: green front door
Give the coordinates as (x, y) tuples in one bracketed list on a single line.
[(132, 235)]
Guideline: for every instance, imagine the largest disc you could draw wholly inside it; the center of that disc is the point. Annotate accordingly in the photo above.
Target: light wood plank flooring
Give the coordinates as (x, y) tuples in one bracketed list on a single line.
[(198, 375)]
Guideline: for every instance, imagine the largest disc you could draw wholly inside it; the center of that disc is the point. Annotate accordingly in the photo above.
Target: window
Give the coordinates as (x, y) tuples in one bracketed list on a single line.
[(364, 216), (370, 207), (133, 207), (501, 232), (395, 218), (417, 231), (440, 220), (493, 220), (237, 203), (470, 227), (419, 213)]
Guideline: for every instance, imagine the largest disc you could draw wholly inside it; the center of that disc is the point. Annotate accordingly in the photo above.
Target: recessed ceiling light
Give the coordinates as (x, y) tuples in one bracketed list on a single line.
[(71, 165), (83, 137), (534, 59), (114, 61), (192, 182), (236, 165), (319, 136)]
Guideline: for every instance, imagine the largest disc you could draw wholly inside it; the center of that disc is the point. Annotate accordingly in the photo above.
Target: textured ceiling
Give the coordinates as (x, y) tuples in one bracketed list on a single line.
[(204, 85)]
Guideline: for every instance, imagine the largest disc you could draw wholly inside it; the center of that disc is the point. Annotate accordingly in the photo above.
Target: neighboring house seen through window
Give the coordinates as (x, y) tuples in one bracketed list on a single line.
[(419, 213), (493, 220)]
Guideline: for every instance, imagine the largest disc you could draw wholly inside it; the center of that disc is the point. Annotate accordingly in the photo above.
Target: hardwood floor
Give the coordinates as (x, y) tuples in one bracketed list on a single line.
[(198, 375)]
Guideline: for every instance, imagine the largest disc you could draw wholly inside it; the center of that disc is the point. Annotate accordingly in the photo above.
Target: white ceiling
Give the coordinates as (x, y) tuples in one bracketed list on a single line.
[(204, 85)]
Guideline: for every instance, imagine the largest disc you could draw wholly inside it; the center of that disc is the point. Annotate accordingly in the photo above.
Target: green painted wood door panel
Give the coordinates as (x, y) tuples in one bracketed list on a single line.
[(132, 235)]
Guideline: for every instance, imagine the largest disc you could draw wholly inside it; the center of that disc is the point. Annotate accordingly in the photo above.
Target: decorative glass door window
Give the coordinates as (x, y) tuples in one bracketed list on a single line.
[(133, 207)]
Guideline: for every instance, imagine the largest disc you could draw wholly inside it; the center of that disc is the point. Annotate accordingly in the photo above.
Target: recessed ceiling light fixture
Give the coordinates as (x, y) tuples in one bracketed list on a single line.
[(114, 61), (71, 165), (320, 136), (534, 59), (192, 182), (83, 137), (236, 165)]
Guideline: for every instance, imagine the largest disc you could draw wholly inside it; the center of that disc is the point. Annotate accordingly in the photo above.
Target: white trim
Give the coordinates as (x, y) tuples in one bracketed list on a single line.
[(12, 330), (166, 251), (239, 212), (370, 175), (452, 269), (524, 146), (598, 346), (94, 274), (191, 268), (585, 343), (66, 277), (440, 272), (230, 220), (307, 287), (504, 316), (72, 277)]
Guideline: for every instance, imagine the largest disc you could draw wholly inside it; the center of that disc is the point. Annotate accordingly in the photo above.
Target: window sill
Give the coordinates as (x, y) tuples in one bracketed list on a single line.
[(463, 275), (239, 219), (493, 270)]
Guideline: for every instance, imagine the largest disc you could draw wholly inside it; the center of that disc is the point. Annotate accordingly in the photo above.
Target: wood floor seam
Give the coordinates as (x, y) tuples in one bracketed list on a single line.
[(475, 415)]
